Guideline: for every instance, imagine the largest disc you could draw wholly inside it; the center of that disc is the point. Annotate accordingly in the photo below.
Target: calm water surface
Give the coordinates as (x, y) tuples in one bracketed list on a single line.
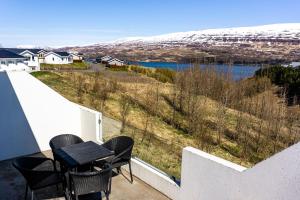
[(238, 71)]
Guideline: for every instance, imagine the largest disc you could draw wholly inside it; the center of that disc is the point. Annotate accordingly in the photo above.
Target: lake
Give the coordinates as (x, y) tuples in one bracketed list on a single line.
[(238, 71)]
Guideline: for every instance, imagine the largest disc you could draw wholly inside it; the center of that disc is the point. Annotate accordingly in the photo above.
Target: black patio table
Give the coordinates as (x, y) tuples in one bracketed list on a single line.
[(79, 154), (82, 153)]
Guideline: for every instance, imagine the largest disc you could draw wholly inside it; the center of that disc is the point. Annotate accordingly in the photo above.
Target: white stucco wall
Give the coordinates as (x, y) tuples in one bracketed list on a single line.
[(205, 176), (91, 124), (35, 113)]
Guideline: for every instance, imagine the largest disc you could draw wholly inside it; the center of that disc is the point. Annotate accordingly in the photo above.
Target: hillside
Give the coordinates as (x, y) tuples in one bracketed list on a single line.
[(271, 33), (276, 43), (244, 129)]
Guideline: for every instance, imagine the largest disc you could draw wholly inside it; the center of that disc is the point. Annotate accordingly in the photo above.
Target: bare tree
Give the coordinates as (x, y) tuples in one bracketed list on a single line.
[(124, 110)]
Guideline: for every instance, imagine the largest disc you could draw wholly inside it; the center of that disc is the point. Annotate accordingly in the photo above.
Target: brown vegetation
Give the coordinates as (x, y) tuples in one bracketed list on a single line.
[(244, 121)]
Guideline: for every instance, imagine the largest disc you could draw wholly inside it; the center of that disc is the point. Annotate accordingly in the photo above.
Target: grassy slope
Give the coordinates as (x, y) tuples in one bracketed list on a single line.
[(75, 65), (151, 148)]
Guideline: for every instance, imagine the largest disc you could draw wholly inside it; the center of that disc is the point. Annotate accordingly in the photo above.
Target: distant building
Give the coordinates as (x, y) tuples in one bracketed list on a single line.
[(58, 58), (77, 57), (116, 62), (105, 59), (32, 56), (41, 55), (10, 61)]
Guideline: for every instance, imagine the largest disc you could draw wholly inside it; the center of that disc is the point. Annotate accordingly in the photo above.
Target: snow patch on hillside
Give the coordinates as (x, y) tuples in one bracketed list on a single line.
[(267, 32)]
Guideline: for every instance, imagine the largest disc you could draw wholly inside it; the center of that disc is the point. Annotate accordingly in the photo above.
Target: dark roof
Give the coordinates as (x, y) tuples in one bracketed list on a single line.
[(62, 53), (8, 54), (18, 51)]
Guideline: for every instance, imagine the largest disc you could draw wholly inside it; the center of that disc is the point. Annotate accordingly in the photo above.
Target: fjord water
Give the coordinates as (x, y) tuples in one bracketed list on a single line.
[(237, 71)]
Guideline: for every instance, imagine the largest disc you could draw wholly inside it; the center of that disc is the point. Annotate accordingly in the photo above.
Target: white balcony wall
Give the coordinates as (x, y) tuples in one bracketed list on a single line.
[(205, 176), (91, 125), (34, 113)]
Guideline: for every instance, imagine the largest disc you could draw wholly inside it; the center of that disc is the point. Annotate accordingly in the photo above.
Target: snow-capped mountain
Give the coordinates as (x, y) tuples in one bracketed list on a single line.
[(279, 32), (275, 43)]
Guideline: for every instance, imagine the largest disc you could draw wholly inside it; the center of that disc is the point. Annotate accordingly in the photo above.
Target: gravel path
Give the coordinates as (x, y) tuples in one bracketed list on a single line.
[(111, 127)]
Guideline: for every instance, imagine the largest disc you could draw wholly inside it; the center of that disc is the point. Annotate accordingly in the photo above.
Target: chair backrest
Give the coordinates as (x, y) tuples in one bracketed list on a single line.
[(119, 145), (64, 140), (91, 182), (26, 165)]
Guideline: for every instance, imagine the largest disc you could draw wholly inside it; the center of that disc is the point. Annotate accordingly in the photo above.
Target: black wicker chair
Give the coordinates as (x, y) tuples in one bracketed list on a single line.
[(64, 140), (89, 185), (122, 146), (37, 178)]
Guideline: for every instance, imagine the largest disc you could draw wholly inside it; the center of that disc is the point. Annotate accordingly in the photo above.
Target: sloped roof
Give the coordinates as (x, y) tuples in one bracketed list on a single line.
[(18, 51), (8, 54), (59, 53), (116, 59), (62, 53)]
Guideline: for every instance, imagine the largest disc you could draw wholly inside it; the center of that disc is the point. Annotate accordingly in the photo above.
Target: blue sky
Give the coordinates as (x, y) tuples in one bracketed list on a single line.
[(79, 22)]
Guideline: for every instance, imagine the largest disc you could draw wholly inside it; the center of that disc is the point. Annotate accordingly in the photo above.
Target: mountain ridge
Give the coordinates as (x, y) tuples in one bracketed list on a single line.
[(275, 43), (286, 31)]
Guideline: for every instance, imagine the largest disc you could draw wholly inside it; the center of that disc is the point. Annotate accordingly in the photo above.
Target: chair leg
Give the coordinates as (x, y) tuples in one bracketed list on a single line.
[(57, 189), (107, 196), (109, 186), (32, 195), (130, 171), (26, 191)]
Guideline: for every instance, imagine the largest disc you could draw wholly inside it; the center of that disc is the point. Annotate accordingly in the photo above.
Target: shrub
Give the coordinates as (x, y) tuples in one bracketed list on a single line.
[(140, 70), (286, 77), (118, 68), (168, 73)]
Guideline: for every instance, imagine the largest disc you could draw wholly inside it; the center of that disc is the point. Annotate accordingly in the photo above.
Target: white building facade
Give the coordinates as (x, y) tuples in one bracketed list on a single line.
[(58, 58), (10, 61), (116, 62), (32, 59)]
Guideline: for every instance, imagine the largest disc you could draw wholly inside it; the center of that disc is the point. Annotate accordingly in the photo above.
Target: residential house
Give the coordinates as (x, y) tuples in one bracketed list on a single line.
[(77, 57), (58, 58), (10, 61), (116, 62), (41, 55), (32, 56), (105, 59)]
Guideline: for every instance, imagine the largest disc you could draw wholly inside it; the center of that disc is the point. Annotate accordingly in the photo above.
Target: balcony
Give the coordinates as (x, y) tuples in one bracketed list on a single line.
[(13, 186)]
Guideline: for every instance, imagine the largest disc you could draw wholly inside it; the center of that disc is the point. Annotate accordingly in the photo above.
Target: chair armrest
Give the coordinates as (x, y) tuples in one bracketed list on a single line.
[(40, 160), (122, 153)]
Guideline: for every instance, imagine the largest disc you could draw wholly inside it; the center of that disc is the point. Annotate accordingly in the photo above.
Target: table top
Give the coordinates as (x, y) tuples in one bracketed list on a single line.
[(82, 153)]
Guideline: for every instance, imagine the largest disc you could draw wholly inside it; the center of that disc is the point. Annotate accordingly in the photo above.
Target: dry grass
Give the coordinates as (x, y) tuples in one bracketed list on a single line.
[(161, 131)]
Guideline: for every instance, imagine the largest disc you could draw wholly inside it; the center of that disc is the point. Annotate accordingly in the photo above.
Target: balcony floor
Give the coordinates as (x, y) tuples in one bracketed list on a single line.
[(12, 186)]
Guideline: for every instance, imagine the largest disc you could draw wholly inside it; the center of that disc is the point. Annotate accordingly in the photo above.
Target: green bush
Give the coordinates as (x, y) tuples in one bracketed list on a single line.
[(287, 77)]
